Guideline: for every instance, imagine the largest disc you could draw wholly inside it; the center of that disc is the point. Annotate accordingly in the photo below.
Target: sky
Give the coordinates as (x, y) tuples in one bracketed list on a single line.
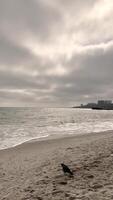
[(55, 52)]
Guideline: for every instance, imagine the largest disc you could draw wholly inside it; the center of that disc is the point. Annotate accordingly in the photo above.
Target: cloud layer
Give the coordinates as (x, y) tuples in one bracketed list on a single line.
[(55, 53)]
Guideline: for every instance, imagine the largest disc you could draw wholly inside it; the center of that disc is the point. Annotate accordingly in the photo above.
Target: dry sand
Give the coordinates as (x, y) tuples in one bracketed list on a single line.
[(32, 170)]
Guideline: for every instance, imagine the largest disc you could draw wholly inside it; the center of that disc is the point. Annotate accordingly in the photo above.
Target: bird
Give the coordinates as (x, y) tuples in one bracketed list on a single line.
[(66, 169)]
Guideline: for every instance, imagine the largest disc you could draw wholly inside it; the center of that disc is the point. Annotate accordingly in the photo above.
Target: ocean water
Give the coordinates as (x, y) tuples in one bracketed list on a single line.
[(18, 125)]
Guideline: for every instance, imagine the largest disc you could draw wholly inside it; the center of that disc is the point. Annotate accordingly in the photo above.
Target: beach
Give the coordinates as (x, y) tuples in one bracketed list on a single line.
[(33, 170)]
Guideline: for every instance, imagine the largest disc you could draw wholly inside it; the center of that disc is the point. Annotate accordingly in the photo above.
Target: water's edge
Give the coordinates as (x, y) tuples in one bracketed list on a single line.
[(55, 137)]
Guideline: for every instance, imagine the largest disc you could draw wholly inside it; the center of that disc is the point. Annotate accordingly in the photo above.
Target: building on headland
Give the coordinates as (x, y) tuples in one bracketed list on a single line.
[(100, 105)]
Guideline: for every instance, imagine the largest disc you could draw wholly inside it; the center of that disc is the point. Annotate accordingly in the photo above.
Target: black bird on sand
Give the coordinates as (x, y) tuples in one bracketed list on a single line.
[(66, 169)]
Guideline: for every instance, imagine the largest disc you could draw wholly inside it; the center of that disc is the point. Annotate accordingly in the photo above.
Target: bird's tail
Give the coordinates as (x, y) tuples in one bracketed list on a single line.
[(71, 173)]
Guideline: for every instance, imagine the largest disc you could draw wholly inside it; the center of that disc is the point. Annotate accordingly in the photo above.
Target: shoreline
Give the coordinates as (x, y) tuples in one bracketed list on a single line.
[(54, 137), (33, 170)]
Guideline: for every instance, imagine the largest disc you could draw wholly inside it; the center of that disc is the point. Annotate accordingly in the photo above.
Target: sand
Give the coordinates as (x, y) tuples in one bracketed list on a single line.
[(32, 170)]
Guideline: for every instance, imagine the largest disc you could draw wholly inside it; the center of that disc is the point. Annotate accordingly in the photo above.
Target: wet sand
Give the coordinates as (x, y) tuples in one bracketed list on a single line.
[(32, 170)]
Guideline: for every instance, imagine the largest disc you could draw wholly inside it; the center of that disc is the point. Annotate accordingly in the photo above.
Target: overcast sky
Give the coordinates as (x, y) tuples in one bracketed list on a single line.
[(55, 52)]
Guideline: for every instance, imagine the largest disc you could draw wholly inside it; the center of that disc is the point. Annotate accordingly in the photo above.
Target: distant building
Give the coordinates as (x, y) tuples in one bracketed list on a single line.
[(100, 105), (104, 102)]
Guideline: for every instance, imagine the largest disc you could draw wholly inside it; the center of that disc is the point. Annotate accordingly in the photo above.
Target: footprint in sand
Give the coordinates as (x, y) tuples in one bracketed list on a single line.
[(29, 189), (63, 183), (97, 186), (69, 148)]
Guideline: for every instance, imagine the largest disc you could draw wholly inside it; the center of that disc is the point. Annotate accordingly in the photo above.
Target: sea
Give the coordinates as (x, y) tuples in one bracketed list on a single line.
[(19, 125)]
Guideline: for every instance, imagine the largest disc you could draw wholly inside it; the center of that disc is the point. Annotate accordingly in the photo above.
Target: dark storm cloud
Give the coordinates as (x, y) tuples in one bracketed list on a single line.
[(55, 52)]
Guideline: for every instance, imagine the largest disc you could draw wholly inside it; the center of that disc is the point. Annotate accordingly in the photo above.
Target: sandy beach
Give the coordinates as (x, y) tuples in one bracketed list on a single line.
[(33, 170)]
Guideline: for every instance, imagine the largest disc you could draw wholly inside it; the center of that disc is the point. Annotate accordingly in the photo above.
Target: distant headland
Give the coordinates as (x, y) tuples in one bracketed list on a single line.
[(100, 105)]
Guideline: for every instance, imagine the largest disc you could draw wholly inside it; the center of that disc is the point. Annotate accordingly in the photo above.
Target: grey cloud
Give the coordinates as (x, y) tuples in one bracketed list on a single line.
[(32, 17), (54, 26), (11, 80), (93, 78), (13, 54), (8, 98)]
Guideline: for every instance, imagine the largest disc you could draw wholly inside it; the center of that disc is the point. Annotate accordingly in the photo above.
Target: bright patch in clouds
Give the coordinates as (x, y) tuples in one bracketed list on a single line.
[(102, 9)]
